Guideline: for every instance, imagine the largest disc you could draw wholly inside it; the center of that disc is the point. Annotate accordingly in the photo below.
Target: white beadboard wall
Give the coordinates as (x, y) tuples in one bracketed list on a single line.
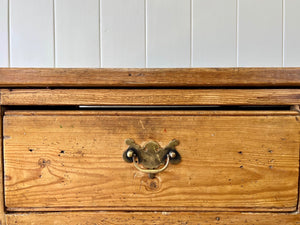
[(31, 35), (149, 33)]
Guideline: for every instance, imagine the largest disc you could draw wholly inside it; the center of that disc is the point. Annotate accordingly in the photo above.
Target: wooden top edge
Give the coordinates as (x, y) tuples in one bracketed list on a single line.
[(149, 113), (147, 218), (162, 77), (158, 209)]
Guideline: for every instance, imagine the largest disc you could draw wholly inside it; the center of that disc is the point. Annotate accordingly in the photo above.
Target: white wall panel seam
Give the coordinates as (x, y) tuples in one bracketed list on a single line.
[(4, 34), (287, 47), (145, 33), (283, 31), (237, 31), (191, 33), (54, 38), (8, 33), (100, 33)]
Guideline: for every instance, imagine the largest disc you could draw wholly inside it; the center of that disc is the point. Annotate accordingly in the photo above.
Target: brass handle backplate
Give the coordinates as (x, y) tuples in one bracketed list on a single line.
[(151, 156)]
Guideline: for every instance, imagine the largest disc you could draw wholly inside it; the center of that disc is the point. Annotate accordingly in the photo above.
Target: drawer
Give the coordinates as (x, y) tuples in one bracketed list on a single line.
[(72, 160)]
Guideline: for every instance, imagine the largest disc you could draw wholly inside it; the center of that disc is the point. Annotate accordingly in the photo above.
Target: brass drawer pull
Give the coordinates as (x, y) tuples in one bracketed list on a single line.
[(152, 171), (151, 156)]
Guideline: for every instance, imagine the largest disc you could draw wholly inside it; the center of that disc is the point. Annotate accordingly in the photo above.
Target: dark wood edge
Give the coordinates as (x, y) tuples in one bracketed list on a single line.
[(150, 97), (149, 112), (292, 209), (163, 77), (147, 218)]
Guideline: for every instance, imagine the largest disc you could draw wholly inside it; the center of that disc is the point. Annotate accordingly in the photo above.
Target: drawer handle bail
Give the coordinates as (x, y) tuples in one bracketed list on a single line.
[(152, 156)]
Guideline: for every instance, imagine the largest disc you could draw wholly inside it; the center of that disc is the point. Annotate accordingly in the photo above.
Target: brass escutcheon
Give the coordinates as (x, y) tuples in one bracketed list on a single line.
[(151, 156)]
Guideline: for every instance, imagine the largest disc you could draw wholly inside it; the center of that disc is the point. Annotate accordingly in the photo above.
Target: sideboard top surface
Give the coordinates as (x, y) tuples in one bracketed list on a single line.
[(160, 77)]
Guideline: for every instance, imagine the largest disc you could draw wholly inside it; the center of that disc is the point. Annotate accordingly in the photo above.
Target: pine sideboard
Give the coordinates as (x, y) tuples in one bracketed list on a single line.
[(150, 146)]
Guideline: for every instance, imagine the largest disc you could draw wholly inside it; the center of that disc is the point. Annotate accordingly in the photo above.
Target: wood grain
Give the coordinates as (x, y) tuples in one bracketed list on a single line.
[(176, 77), (2, 215), (150, 97), (148, 112), (129, 218), (232, 163)]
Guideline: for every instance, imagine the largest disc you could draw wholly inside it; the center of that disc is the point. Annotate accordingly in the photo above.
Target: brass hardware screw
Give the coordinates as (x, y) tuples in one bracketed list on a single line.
[(130, 154), (172, 154)]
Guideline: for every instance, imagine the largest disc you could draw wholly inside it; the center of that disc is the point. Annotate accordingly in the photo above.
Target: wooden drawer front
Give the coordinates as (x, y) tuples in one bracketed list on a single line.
[(73, 160)]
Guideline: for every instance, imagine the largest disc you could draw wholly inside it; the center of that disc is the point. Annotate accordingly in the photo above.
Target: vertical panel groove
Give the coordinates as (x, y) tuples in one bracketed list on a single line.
[(191, 33), (283, 30), (4, 33), (146, 41), (288, 47), (237, 31), (8, 33), (54, 44), (100, 33)]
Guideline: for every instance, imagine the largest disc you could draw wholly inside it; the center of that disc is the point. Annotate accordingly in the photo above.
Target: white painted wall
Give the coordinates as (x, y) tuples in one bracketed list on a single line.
[(149, 33)]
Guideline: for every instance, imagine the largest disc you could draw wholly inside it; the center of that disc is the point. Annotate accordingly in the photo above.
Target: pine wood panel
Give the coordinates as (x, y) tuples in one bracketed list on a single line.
[(2, 215), (196, 77), (150, 97), (62, 162), (151, 113), (125, 218)]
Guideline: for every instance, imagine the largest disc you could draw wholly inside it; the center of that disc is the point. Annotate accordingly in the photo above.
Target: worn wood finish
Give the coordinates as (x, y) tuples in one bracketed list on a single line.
[(150, 97), (144, 112), (125, 218), (2, 214), (176, 77), (247, 163)]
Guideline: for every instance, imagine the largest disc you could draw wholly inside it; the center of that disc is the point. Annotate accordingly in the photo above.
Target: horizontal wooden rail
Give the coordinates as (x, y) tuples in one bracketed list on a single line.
[(174, 77), (126, 218), (150, 97)]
